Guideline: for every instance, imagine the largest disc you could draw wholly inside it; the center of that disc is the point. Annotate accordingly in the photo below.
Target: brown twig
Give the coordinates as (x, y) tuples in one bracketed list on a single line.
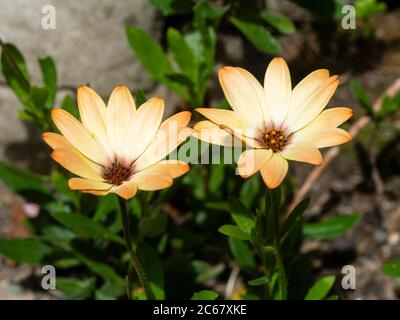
[(333, 152)]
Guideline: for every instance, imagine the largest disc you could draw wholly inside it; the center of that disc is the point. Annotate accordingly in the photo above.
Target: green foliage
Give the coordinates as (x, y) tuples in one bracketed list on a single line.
[(259, 36), (171, 7), (392, 268), (174, 230), (331, 227), (75, 289), (389, 104), (258, 281), (278, 21), (24, 250), (205, 295), (368, 8), (153, 269), (86, 227), (320, 289), (234, 232)]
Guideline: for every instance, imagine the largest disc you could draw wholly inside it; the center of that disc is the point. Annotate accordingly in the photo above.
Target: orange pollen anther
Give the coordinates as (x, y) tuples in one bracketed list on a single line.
[(117, 173), (275, 140)]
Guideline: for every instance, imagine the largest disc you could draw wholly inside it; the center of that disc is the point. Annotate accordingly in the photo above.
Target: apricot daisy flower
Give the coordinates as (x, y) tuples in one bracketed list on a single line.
[(275, 122), (116, 148)]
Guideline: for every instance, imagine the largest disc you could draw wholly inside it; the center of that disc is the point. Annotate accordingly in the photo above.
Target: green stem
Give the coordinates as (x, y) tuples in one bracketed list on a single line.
[(281, 271), (132, 254)]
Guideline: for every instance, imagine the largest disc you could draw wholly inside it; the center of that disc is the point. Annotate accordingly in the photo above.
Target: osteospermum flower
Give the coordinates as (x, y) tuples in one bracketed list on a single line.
[(116, 148), (275, 122)]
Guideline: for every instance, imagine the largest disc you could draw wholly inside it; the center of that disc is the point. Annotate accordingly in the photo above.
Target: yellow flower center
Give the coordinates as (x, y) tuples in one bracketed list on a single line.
[(275, 140), (117, 173)]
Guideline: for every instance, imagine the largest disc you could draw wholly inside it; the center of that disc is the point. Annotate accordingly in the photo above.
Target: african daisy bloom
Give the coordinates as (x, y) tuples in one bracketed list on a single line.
[(275, 122), (118, 148)]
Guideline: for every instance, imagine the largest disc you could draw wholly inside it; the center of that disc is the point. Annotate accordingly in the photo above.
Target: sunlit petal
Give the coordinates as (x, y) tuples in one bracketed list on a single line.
[(274, 171)]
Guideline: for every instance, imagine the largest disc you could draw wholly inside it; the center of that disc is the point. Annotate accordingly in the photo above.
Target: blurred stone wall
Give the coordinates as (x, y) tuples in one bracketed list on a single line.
[(88, 46)]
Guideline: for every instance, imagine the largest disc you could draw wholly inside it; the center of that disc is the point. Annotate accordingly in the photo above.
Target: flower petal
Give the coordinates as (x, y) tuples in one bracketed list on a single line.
[(278, 90), (76, 163), (143, 127), (127, 190), (210, 132), (330, 118), (325, 137), (171, 134), (312, 104), (228, 119), (274, 171), (245, 95), (86, 184), (78, 136), (306, 87), (92, 110), (152, 178), (56, 141), (303, 152), (175, 168), (250, 161), (120, 112)]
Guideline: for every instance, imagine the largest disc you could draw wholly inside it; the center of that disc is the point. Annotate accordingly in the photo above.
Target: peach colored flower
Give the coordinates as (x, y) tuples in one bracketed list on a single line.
[(275, 122), (116, 148)]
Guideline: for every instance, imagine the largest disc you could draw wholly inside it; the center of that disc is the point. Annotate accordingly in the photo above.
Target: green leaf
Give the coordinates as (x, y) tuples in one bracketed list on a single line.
[(260, 37), (49, 74), (30, 250), (278, 21), (217, 205), (180, 78), (249, 191), (152, 57), (67, 263), (234, 232), (94, 261), (360, 95), (169, 7), (331, 227), (242, 254), (392, 268), (182, 53), (205, 295), (241, 215), (110, 290), (86, 226), (206, 271), (320, 289), (258, 281), (57, 234), (206, 16), (217, 177), (295, 216), (61, 184), (153, 225), (75, 289), (27, 184), (39, 96), (325, 9), (389, 106), (69, 105), (152, 268), (15, 72), (140, 97)]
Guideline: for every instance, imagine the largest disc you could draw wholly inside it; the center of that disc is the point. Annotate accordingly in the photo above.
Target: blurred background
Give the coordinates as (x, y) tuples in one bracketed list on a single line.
[(89, 46)]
